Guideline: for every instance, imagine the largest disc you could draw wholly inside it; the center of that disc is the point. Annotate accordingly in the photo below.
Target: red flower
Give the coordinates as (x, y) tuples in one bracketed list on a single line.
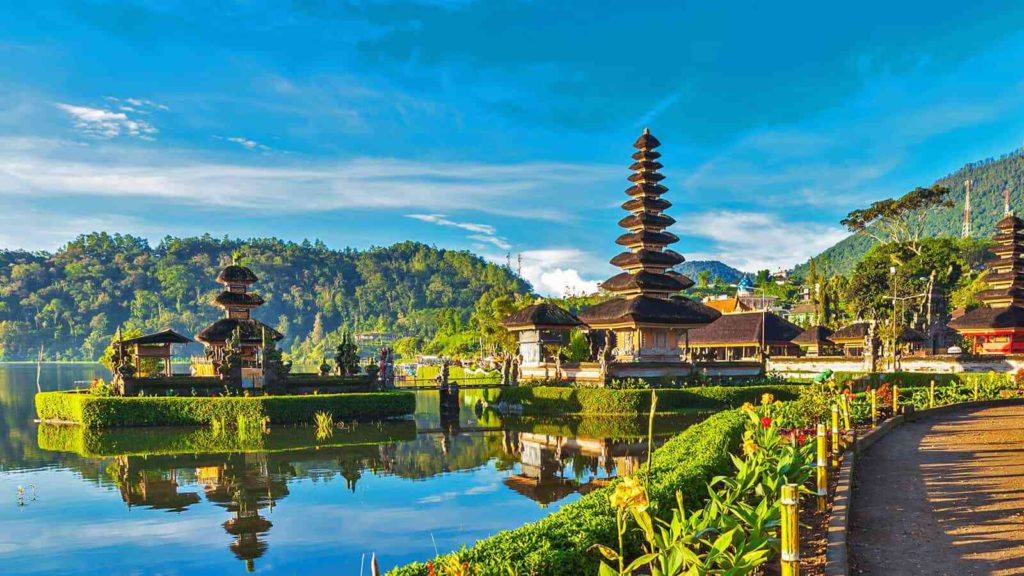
[(766, 422), (800, 438)]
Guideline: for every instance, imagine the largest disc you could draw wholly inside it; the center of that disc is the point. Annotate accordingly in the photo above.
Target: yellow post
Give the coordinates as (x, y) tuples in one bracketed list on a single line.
[(822, 468), (846, 412), (790, 530), (975, 389), (837, 442), (874, 407), (931, 394), (895, 399)]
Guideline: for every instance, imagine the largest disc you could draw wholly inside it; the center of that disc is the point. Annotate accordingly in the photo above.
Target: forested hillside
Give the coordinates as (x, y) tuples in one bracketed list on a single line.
[(989, 178), (714, 268), (71, 302)]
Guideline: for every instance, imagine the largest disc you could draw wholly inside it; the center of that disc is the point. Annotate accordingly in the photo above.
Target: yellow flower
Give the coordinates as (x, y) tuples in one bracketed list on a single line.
[(629, 494), (747, 407), (749, 447), (767, 399)]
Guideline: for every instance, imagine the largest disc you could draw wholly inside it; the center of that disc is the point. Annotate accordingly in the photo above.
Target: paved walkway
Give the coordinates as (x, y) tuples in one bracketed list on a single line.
[(944, 495)]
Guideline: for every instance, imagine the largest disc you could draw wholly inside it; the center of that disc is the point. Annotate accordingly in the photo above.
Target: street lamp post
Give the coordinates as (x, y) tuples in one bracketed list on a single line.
[(895, 332)]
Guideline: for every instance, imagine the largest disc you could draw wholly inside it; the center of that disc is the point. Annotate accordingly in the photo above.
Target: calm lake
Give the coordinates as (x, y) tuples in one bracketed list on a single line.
[(188, 501)]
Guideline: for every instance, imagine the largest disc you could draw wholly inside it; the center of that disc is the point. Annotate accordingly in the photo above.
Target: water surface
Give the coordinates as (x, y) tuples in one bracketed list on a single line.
[(187, 501)]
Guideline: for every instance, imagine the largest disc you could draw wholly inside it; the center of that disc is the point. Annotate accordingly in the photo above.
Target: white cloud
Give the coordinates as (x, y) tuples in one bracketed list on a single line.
[(140, 105), (106, 124), (481, 232), (244, 142), (56, 169), (756, 240), (556, 271)]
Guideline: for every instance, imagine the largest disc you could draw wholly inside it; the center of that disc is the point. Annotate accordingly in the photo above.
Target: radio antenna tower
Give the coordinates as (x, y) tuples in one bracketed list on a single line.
[(967, 211)]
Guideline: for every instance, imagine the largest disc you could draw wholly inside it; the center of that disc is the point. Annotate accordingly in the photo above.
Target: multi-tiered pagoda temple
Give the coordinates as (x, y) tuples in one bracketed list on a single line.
[(647, 321), (998, 326), (238, 303)]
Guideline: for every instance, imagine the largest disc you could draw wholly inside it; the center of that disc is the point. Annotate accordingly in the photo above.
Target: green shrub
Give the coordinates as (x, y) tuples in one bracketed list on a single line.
[(109, 412), (549, 400), (560, 544)]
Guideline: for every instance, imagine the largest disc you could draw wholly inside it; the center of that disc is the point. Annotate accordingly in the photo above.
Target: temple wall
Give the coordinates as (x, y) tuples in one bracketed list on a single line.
[(808, 367), (730, 369)]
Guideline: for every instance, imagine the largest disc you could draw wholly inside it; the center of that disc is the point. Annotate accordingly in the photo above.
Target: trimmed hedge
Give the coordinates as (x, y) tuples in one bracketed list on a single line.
[(560, 544), (550, 400), (616, 426), (116, 411), (100, 443)]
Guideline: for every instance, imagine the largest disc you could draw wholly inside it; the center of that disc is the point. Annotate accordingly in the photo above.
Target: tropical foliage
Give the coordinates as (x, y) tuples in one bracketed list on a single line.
[(71, 302)]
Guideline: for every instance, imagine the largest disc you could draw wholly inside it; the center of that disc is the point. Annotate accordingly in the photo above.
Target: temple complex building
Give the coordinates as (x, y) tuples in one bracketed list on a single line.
[(238, 303), (746, 336), (641, 330), (997, 327), (647, 320)]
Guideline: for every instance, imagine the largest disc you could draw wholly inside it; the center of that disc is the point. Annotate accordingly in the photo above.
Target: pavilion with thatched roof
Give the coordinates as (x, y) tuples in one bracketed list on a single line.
[(153, 346), (746, 336)]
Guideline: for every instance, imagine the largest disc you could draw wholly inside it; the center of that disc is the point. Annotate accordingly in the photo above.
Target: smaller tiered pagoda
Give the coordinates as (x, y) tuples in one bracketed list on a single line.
[(997, 327), (238, 303)]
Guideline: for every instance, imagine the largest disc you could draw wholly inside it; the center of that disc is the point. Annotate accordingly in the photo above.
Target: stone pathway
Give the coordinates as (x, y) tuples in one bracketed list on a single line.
[(944, 495)]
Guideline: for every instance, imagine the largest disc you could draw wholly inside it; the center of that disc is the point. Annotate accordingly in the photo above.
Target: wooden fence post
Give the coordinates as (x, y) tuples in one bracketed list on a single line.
[(837, 442), (790, 530), (822, 468), (874, 408)]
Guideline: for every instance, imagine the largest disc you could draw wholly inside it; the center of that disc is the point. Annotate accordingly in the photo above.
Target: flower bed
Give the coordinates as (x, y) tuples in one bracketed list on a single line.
[(551, 400), (94, 411)]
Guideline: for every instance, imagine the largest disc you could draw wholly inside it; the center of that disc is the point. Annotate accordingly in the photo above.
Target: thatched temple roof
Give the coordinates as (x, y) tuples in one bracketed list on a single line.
[(235, 274), (251, 331), (542, 314), (746, 328)]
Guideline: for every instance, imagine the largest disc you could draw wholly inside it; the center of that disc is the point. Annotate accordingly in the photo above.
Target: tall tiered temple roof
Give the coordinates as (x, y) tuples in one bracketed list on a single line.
[(646, 290), (237, 302), (1004, 298)]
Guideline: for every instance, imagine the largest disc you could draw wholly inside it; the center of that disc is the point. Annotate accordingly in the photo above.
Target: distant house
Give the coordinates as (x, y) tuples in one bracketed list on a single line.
[(376, 337), (740, 303), (727, 304), (743, 335), (804, 313)]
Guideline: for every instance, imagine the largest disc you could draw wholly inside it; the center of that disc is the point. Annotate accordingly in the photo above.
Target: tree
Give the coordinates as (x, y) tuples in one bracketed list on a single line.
[(578, 348), (898, 220), (703, 278), (935, 265)]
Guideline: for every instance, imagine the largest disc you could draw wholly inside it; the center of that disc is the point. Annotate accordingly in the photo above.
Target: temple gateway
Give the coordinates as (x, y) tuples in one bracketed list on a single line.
[(642, 330)]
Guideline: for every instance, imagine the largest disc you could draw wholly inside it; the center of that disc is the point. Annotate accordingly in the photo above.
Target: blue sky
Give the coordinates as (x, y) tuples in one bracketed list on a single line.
[(499, 127)]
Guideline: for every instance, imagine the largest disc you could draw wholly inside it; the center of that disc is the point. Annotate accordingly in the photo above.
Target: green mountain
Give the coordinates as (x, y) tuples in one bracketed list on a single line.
[(72, 301), (716, 269), (989, 178)]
